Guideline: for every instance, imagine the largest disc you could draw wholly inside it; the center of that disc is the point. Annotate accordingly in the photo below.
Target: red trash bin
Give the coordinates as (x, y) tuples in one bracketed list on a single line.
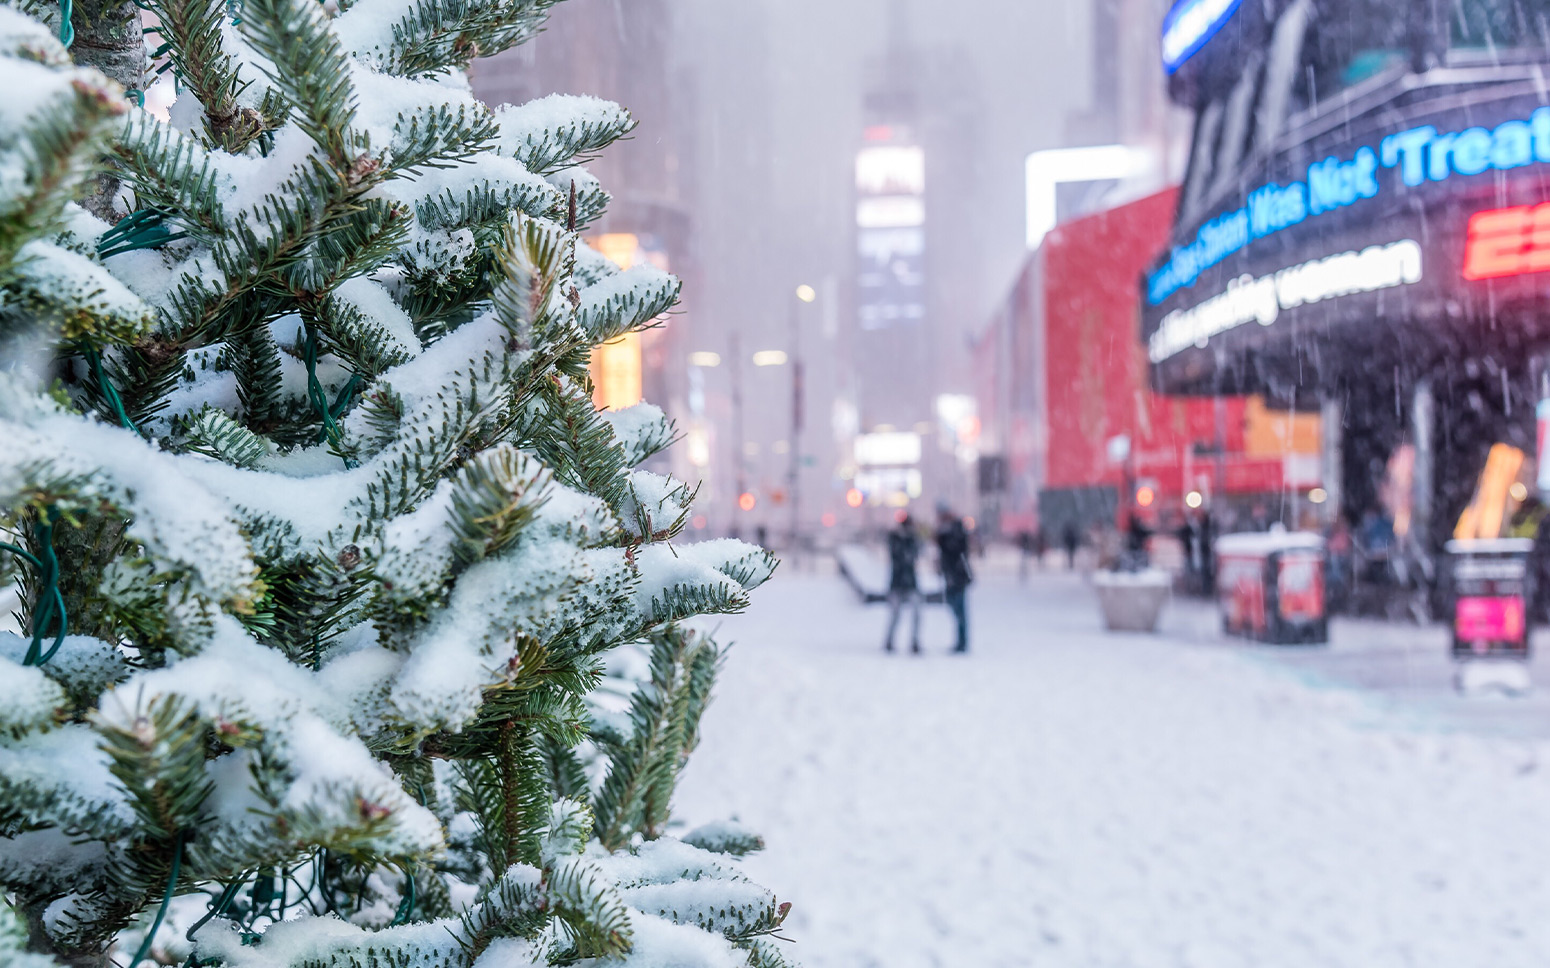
[(1270, 586)]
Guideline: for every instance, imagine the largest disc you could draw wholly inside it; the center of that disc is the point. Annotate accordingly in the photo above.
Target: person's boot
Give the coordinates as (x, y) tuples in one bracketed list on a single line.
[(887, 646), (915, 648), (961, 648)]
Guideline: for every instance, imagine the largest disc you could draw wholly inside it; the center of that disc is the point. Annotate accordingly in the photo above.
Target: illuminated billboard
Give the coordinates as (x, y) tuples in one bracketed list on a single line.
[(890, 235), (890, 447), (1508, 242), (1190, 25)]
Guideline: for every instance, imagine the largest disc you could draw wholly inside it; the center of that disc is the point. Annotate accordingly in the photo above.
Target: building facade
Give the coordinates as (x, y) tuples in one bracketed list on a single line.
[(1358, 234)]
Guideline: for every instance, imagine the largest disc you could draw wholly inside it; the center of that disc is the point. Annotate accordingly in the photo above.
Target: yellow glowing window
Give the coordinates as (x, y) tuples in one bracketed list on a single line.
[(616, 373)]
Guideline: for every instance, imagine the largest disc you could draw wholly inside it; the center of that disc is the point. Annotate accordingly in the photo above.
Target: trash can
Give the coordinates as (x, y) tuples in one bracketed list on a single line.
[(1490, 589), (1271, 586)]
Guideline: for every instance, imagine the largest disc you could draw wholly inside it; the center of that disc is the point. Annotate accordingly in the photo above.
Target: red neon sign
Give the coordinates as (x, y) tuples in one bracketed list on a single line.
[(1508, 242)]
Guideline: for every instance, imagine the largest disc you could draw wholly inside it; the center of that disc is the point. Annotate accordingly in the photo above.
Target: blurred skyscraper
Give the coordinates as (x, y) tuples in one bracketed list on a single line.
[(616, 51)]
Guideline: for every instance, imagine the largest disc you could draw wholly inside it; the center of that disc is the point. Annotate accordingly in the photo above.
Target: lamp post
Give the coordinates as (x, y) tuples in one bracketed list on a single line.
[(739, 458), (804, 294)]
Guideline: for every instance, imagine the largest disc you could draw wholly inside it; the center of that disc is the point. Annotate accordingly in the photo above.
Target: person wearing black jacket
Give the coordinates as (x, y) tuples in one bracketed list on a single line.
[(903, 550), (952, 542)]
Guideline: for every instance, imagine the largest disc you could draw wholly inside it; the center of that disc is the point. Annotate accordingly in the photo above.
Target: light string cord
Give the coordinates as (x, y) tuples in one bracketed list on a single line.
[(184, 836), (51, 603), (328, 412)]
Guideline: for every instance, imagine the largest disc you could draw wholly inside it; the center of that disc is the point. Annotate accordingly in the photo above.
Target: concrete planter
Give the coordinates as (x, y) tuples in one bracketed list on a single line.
[(1132, 601)]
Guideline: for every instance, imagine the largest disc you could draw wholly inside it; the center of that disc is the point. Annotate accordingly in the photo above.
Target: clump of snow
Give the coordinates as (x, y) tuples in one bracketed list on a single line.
[(376, 304), (747, 564), (53, 856), (642, 430), (84, 665), (653, 504), (178, 521), (328, 940), (724, 837), (665, 574), (22, 35), (511, 953), (71, 279), (657, 942), (636, 295), (544, 133), (28, 698), (470, 642), (66, 774)]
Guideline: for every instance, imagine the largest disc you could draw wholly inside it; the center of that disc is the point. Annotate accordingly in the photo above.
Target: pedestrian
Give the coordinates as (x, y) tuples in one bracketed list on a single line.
[(1207, 540), (1136, 557), (952, 543), (1191, 554), (1071, 539), (903, 587), (1025, 546)]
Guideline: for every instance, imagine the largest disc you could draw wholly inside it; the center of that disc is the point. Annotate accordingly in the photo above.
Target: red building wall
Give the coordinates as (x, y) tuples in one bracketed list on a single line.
[(1096, 366)]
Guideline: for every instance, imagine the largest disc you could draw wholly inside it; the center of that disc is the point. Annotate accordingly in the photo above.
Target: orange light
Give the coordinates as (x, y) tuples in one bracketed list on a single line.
[(746, 500), (828, 519), (901, 516), (968, 523), (1508, 242), (700, 522), (616, 373), (620, 248), (854, 497), (1145, 496)]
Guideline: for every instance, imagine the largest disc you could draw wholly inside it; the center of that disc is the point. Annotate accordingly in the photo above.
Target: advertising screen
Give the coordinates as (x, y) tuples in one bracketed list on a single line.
[(890, 235)]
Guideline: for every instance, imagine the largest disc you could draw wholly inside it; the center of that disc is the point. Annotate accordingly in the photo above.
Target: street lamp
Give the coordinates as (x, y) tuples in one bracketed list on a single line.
[(804, 294)]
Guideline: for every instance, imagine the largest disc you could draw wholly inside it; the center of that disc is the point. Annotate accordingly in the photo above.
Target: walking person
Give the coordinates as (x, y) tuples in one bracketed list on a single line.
[(952, 543), (1072, 540), (1025, 545), (903, 587)]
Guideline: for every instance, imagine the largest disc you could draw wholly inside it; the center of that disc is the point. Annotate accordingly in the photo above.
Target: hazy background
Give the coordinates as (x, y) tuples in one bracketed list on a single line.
[(741, 179)]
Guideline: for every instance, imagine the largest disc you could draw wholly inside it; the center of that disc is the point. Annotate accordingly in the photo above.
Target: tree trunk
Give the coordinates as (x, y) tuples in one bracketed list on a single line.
[(108, 37)]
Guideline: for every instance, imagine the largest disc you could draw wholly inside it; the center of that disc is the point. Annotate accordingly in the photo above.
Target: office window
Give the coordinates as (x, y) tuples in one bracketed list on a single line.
[(1350, 41), (1491, 24)]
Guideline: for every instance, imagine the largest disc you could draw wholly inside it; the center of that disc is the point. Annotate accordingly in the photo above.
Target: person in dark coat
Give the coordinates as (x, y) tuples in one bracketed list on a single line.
[(1072, 540), (903, 588), (952, 543)]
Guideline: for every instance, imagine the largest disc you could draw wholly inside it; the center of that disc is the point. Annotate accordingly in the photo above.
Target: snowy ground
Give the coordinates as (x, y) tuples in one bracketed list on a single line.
[(1065, 798)]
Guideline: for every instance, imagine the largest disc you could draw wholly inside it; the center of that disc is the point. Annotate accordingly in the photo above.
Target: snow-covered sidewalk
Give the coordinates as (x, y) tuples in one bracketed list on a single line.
[(1063, 797)]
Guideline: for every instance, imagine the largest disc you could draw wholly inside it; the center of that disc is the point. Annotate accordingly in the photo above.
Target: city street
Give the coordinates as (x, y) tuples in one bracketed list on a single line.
[(1066, 797)]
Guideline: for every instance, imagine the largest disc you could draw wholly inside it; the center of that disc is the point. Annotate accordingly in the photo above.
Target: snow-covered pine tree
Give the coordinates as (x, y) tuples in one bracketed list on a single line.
[(350, 634)]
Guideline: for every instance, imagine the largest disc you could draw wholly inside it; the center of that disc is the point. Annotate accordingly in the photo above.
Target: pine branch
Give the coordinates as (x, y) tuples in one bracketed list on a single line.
[(310, 69), (171, 173), (191, 30), (57, 154), (437, 34)]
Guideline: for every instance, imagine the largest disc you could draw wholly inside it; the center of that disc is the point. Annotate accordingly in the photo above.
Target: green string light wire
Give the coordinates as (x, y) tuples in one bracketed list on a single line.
[(106, 388), (144, 229), (66, 28), (406, 906), (328, 413), (217, 908), (51, 603), (166, 899)]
